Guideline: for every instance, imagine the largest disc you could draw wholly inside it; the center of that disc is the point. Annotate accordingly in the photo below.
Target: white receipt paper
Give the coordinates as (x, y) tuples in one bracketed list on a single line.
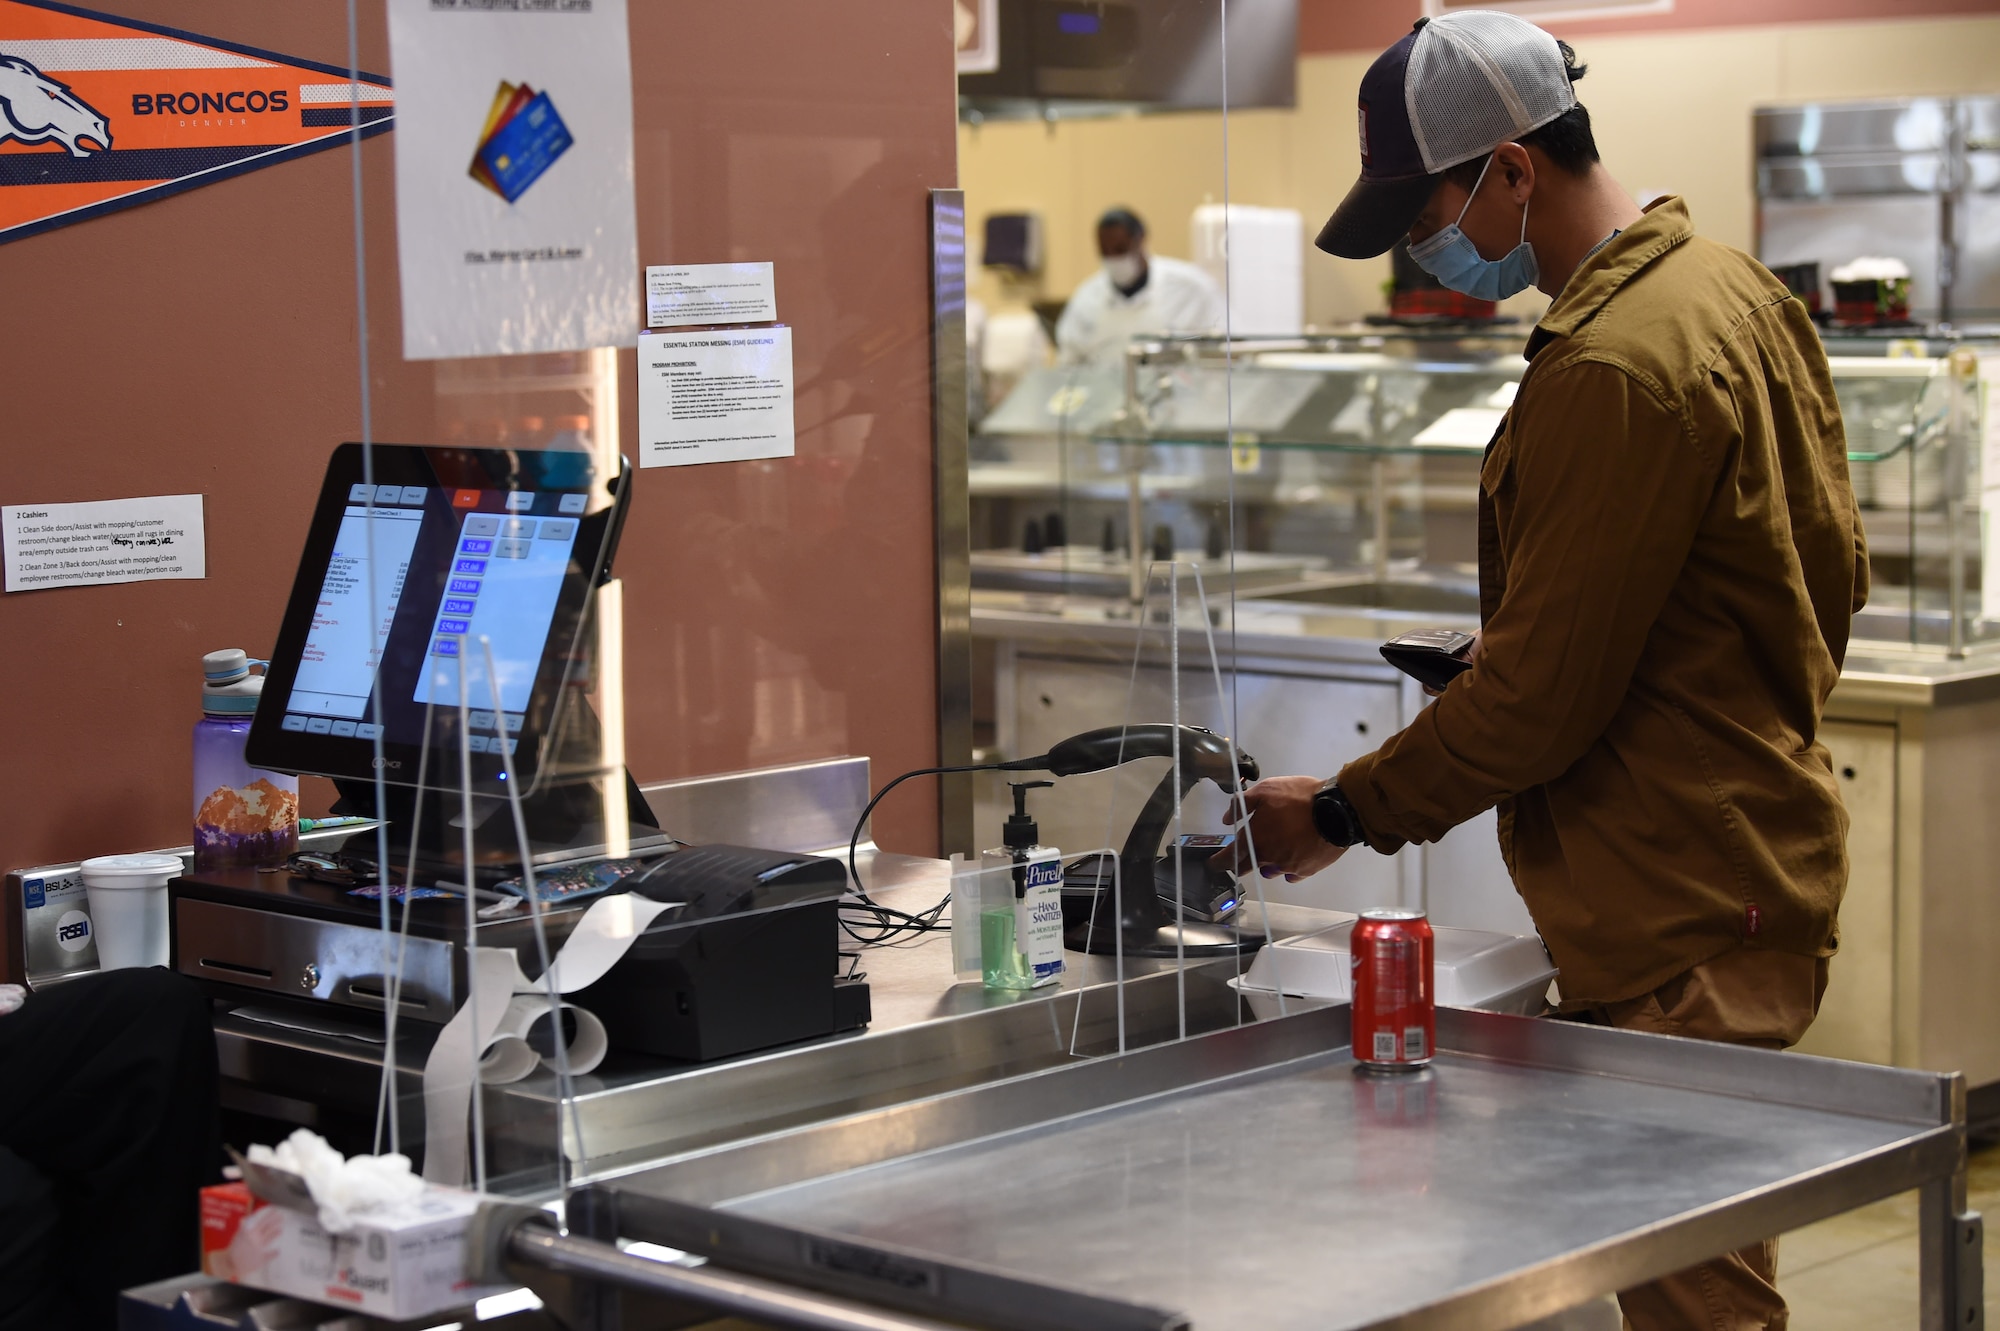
[(710, 293), (506, 1004), (104, 540), (718, 396)]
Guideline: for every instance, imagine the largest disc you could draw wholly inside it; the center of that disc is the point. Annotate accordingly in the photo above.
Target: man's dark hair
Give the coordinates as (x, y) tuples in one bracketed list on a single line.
[(1566, 141), (1123, 217)]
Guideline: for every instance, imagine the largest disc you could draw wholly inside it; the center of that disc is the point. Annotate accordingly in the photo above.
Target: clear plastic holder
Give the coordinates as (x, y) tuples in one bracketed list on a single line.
[(1144, 1002), (1173, 599), (494, 1149), (497, 402), (500, 1034)]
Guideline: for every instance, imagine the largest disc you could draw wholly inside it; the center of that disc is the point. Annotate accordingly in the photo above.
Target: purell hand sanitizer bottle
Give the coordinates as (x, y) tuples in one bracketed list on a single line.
[(1020, 904)]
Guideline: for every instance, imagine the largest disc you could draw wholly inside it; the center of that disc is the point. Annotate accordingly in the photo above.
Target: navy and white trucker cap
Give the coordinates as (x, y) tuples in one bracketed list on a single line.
[(1455, 89)]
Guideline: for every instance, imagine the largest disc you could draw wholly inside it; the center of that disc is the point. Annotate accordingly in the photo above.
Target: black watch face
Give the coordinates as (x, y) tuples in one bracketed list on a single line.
[(1334, 818)]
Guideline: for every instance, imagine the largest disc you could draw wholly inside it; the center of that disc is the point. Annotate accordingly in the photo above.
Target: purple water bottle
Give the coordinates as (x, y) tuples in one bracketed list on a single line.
[(243, 815)]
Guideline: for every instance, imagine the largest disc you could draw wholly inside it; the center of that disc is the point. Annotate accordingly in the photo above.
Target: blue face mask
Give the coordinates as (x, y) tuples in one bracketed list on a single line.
[(1452, 258)]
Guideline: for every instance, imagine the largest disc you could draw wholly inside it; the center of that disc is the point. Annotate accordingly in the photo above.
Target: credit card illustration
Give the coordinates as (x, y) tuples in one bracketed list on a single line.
[(510, 98), (523, 137)]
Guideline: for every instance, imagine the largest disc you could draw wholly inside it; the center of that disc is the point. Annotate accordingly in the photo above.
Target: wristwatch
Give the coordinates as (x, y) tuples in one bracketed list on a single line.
[(1335, 818)]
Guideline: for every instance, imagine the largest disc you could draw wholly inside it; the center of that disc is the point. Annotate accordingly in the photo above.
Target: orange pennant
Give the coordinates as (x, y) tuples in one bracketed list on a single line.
[(99, 112)]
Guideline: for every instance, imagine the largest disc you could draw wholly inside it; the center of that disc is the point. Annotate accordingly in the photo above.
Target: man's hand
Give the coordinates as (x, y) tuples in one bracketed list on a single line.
[(1280, 818)]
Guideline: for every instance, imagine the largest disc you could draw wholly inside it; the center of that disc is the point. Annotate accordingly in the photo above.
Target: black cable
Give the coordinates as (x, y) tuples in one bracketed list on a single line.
[(888, 923)]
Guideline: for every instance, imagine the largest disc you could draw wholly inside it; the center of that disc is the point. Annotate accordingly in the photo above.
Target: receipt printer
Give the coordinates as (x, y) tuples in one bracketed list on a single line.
[(747, 958)]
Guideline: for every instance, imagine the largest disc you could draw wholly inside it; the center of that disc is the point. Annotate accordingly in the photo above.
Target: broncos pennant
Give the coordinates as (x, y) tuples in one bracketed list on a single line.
[(99, 112)]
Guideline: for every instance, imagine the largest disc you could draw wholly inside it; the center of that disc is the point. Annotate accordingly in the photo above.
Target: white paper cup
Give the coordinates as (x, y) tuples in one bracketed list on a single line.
[(128, 907)]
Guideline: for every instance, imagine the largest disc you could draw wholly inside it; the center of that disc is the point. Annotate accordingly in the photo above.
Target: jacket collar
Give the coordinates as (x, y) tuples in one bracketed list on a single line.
[(1665, 225)]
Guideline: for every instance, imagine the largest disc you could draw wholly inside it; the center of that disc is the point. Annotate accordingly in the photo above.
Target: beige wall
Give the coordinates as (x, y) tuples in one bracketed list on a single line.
[(1672, 111)]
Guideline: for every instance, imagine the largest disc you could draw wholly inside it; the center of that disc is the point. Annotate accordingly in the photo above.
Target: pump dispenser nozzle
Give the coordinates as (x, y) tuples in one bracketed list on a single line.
[(1020, 831)]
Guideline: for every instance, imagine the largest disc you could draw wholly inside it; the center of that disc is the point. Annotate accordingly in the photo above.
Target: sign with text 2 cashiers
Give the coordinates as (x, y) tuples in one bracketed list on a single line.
[(99, 113)]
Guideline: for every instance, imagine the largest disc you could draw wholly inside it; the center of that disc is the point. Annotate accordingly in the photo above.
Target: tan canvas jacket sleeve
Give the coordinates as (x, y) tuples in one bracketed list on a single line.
[(1608, 492)]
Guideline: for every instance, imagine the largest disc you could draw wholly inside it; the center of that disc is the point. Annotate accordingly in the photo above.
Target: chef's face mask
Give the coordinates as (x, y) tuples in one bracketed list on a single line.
[(1124, 269), (1450, 256)]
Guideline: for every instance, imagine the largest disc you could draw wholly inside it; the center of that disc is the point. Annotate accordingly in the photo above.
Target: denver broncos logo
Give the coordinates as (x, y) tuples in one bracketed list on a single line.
[(34, 108)]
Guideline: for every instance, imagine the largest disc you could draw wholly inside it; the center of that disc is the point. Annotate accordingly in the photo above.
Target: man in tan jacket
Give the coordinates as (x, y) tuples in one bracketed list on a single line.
[(1669, 557)]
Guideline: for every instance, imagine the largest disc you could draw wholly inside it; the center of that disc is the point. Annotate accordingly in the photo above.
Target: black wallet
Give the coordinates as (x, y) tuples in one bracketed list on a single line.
[(1430, 656)]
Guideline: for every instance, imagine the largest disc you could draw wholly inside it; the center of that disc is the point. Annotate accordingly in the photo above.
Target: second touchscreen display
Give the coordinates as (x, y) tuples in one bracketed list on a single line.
[(507, 571)]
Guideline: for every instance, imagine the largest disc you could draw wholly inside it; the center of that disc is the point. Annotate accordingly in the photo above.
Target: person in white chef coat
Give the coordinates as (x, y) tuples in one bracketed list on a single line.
[(1133, 293)]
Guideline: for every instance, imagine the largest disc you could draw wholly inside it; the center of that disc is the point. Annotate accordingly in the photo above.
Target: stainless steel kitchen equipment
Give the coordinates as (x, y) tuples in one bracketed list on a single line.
[(1342, 468), (1917, 179)]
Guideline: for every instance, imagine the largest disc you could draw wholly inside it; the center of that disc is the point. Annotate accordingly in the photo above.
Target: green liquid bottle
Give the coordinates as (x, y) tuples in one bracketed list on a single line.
[(1001, 961)]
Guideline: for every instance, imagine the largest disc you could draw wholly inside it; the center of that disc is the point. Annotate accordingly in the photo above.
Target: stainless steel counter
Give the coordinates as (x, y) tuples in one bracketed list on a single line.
[(1333, 625), (928, 1034), (1873, 676), (1250, 1178)]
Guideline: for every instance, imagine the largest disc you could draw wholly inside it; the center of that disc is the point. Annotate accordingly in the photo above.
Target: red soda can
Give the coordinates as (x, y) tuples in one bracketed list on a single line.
[(1394, 1004)]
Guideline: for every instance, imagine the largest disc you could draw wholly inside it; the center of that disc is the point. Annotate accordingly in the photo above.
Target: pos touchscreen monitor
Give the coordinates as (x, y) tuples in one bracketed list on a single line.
[(463, 550)]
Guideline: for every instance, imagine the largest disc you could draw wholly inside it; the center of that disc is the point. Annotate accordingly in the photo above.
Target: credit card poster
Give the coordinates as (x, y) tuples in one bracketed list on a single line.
[(515, 223)]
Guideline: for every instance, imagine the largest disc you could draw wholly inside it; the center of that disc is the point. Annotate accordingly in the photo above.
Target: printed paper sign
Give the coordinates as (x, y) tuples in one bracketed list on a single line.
[(715, 396), (108, 540), (99, 112), (515, 221), (710, 293)]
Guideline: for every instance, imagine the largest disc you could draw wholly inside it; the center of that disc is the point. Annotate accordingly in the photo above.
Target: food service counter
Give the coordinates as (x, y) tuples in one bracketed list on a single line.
[(953, 1067), (1251, 1178), (928, 1034), (318, 1065), (1915, 739)]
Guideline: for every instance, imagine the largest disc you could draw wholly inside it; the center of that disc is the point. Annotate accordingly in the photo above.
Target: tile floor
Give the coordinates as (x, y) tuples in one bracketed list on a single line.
[(1859, 1270), (1855, 1272)]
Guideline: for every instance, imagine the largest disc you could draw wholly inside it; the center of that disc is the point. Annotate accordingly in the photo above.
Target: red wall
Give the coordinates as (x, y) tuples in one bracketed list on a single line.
[(1374, 25), (208, 343)]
